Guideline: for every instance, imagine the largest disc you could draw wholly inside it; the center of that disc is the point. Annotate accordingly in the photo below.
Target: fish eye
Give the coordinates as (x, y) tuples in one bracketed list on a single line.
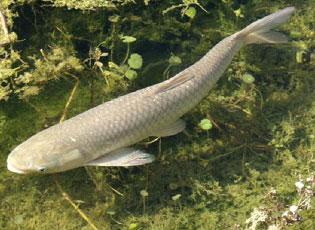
[(42, 170)]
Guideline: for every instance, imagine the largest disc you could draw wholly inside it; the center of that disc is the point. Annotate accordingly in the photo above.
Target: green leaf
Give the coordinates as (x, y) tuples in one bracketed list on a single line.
[(176, 197), (238, 13), (174, 60), (248, 78), (111, 212), (191, 12), (128, 39), (114, 18), (133, 226), (99, 64), (144, 193), (135, 61), (112, 65), (299, 56), (18, 219), (205, 124), (131, 74), (123, 68)]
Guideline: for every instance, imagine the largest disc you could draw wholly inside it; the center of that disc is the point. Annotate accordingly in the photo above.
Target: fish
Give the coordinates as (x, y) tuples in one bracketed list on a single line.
[(103, 135)]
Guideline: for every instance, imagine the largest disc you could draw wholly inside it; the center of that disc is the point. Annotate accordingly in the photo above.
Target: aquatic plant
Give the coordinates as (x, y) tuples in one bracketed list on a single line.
[(187, 8), (205, 124), (89, 5), (172, 62), (20, 78), (128, 66)]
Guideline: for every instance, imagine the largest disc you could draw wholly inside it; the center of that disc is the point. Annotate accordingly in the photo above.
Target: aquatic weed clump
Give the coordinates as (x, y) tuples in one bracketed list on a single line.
[(247, 149)]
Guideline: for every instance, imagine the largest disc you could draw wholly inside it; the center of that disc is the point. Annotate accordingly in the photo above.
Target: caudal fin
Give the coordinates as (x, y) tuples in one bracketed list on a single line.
[(260, 30)]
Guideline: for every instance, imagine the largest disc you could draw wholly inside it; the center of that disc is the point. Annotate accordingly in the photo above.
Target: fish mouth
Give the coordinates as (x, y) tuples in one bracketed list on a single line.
[(14, 169)]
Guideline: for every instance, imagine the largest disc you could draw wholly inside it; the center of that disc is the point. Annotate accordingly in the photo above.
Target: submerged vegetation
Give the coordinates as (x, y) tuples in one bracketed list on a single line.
[(246, 159)]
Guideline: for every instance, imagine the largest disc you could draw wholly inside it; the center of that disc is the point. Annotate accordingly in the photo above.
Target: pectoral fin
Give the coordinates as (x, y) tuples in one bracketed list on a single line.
[(123, 157), (171, 129)]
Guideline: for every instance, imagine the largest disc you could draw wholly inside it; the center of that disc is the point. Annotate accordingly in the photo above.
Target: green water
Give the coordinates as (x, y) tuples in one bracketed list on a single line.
[(262, 140)]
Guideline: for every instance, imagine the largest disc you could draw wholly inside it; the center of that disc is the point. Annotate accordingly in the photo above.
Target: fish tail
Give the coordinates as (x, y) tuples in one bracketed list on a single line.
[(260, 30)]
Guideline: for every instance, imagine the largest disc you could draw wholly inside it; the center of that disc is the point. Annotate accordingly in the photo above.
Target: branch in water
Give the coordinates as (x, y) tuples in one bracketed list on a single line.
[(5, 30)]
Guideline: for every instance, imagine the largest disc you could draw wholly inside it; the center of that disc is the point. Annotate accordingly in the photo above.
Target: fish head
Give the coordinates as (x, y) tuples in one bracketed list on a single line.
[(43, 154)]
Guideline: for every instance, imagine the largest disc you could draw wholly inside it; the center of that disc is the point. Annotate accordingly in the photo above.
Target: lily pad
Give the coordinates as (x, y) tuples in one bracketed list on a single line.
[(238, 13), (176, 197), (133, 226), (191, 12), (205, 124), (114, 18), (135, 61), (174, 60), (248, 78), (144, 193), (300, 56), (131, 74), (128, 39), (18, 219)]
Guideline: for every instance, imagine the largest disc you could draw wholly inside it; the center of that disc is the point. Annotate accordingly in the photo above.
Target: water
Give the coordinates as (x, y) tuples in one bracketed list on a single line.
[(261, 143)]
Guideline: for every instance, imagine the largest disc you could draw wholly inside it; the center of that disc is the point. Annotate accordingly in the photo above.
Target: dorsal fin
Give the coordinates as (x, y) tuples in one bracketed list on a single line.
[(266, 37), (181, 78)]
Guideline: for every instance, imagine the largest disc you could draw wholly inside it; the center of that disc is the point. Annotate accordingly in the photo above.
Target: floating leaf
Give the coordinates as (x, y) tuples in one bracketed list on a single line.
[(114, 18), (99, 64), (174, 60), (135, 61), (18, 219), (238, 13), (112, 65), (104, 54), (131, 74), (144, 193), (248, 78), (191, 12), (205, 124), (128, 39), (176, 197), (173, 186), (123, 68), (299, 56), (133, 226), (111, 212)]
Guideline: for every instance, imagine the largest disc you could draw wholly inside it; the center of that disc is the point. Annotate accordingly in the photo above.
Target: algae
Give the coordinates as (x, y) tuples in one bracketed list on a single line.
[(243, 173)]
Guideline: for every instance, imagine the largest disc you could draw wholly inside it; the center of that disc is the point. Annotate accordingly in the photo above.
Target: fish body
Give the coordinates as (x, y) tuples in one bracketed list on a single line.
[(102, 135)]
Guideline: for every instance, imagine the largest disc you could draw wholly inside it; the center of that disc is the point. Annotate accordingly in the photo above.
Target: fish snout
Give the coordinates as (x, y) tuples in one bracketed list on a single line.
[(13, 167)]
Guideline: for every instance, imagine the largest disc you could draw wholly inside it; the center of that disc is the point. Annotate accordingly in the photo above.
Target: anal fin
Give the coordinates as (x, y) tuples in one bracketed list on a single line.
[(171, 129), (124, 157)]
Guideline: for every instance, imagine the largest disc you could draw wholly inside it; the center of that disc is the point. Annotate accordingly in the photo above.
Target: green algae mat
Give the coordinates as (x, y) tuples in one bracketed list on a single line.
[(246, 158)]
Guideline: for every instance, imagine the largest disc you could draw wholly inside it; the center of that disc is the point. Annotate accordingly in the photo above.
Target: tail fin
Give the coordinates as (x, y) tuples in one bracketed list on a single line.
[(260, 30)]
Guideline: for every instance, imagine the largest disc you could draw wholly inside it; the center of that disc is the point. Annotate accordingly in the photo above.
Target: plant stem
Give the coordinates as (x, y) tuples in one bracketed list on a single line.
[(127, 54), (5, 30), (4, 24), (70, 99), (67, 198), (143, 200)]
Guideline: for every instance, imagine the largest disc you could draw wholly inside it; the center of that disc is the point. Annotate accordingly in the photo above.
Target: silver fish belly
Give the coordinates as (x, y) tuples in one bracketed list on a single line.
[(101, 135)]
